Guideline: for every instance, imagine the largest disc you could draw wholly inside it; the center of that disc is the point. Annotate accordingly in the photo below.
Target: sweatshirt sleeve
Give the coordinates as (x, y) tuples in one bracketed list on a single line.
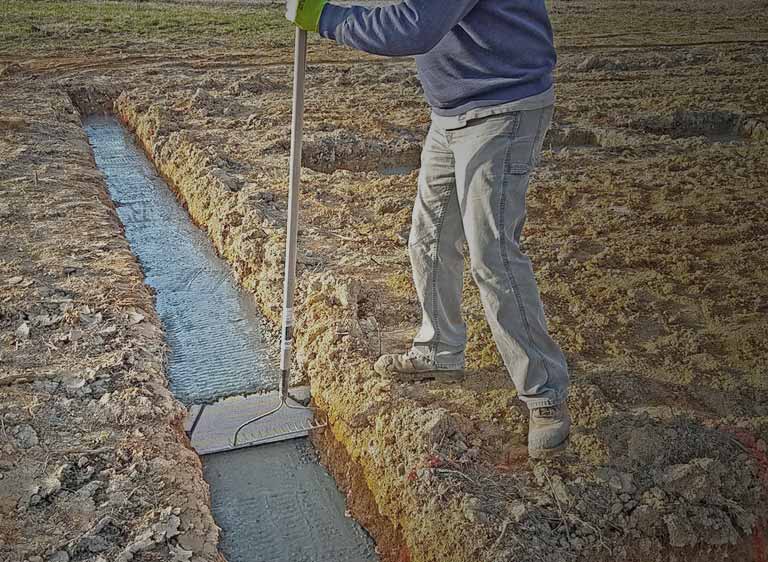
[(412, 27)]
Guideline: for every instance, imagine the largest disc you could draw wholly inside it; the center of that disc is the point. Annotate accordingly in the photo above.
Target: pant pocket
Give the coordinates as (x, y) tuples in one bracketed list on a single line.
[(518, 159)]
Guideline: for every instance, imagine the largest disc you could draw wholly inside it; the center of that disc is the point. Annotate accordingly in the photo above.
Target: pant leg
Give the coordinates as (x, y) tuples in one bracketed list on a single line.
[(435, 248), (494, 157)]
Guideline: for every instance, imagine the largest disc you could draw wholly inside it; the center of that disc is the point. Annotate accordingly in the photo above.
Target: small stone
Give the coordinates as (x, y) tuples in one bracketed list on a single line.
[(50, 486), (15, 280), (630, 505), (65, 472), (474, 510), (179, 554), (173, 526), (348, 292), (680, 531), (135, 318), (589, 63), (518, 512), (387, 206), (89, 489), (26, 436), (46, 320), (22, 332), (59, 556), (90, 320), (620, 482), (94, 543), (560, 490), (540, 474), (693, 481), (73, 382)]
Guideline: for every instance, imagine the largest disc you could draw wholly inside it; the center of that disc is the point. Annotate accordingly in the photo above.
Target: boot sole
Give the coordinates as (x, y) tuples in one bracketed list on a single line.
[(548, 453), (437, 376)]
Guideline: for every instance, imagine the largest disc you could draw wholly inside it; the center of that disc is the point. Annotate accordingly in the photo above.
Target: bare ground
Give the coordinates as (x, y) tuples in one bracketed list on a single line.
[(93, 461), (647, 227)]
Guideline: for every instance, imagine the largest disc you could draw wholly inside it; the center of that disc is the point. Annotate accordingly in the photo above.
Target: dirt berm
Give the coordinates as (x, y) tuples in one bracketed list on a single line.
[(94, 463)]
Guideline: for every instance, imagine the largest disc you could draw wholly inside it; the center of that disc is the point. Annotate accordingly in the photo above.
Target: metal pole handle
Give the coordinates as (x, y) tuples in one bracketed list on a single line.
[(294, 186)]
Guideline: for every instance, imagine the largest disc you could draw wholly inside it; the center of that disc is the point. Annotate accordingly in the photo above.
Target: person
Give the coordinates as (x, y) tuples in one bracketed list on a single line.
[(486, 70)]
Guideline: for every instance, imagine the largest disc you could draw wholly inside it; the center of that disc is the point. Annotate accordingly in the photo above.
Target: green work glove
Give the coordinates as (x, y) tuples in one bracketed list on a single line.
[(305, 13)]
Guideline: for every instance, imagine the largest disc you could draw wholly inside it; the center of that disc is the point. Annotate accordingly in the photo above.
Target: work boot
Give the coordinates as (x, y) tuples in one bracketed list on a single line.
[(411, 367), (548, 430)]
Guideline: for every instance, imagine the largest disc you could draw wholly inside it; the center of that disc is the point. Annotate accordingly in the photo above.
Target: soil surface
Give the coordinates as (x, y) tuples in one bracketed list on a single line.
[(93, 460), (647, 230)]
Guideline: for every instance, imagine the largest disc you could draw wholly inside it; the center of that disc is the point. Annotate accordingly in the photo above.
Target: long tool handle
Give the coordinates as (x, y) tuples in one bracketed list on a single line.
[(294, 186)]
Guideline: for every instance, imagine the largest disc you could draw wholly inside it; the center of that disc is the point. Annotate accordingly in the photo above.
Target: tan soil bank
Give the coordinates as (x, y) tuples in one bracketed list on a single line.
[(647, 227), (93, 461)]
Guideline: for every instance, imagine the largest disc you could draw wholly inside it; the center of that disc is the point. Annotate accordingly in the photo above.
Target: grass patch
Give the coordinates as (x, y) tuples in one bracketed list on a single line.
[(32, 26)]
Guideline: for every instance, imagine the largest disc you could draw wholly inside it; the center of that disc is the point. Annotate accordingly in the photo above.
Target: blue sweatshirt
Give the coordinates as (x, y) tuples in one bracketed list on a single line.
[(469, 53)]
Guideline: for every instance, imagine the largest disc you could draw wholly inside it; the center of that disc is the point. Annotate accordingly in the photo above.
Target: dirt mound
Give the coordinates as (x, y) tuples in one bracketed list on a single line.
[(720, 126), (333, 150)]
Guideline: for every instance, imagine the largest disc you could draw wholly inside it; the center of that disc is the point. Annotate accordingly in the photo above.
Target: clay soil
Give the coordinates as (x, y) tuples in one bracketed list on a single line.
[(647, 227)]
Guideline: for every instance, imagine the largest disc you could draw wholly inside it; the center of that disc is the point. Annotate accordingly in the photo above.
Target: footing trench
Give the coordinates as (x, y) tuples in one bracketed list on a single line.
[(273, 502)]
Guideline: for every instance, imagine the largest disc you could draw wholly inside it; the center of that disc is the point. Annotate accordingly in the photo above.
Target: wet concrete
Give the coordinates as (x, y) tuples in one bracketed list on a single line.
[(217, 346), (274, 502), (277, 504)]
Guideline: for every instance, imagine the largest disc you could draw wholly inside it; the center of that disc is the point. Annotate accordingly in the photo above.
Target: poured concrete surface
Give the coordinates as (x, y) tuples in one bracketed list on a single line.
[(217, 345), (277, 504)]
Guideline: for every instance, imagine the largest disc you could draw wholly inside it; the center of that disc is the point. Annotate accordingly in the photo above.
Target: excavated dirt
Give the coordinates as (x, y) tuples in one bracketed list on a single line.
[(93, 461), (647, 229)]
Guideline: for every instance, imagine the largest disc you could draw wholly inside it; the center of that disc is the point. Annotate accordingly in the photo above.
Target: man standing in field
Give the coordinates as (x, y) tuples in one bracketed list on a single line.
[(486, 69)]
